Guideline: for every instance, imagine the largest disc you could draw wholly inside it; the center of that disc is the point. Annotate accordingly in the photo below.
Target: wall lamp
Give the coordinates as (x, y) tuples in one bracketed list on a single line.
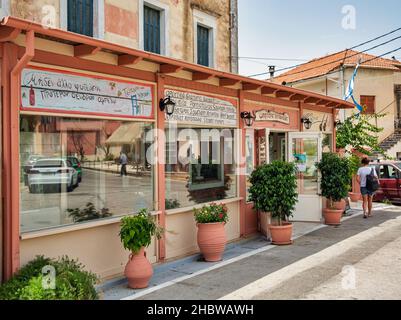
[(167, 105), (307, 122), (248, 118)]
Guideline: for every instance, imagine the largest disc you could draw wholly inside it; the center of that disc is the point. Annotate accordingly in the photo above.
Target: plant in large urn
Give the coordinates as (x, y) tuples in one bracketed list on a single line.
[(274, 190), (211, 236), (136, 234), (334, 185)]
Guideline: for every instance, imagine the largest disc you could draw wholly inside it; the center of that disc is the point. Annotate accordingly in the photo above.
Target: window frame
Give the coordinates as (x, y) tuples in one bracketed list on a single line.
[(210, 22), (367, 97), (164, 10), (98, 17)]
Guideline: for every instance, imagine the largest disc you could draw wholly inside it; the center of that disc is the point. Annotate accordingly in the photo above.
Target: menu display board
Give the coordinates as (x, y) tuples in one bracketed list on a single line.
[(61, 91)]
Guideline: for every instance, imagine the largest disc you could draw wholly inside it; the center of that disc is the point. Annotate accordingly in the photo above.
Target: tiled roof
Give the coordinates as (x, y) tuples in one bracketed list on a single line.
[(321, 66)]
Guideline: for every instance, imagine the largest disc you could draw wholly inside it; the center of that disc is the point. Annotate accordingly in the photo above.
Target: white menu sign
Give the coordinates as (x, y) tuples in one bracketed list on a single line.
[(191, 108), (75, 93)]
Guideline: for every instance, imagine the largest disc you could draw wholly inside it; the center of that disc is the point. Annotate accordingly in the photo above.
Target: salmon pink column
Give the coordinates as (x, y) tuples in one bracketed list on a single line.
[(160, 167), (241, 166)]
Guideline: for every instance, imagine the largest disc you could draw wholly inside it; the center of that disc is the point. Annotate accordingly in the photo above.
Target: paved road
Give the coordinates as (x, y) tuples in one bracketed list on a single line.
[(311, 268), (119, 194)]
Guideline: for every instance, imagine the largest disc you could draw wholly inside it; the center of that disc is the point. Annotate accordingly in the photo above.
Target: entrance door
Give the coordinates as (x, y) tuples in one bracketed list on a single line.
[(305, 149)]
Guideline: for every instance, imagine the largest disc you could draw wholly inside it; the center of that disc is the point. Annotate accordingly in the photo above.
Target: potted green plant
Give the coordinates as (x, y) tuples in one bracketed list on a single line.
[(354, 164), (136, 234), (334, 185), (211, 236), (274, 190)]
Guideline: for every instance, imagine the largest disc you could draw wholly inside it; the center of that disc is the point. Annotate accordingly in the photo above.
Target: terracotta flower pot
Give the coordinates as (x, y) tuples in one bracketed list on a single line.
[(138, 270), (332, 217), (281, 235), (340, 205), (212, 240), (354, 196)]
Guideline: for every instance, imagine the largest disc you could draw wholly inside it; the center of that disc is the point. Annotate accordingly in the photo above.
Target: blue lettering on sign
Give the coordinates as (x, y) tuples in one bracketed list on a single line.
[(135, 106)]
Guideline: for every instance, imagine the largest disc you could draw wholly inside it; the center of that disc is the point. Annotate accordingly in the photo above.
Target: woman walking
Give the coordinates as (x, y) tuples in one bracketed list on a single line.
[(366, 191)]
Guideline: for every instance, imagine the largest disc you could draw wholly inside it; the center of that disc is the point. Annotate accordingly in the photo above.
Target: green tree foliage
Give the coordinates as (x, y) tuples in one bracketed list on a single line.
[(359, 133), (137, 231), (274, 189), (335, 172)]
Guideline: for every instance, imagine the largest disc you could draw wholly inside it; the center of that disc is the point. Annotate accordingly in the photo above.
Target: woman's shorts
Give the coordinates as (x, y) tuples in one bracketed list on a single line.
[(366, 192)]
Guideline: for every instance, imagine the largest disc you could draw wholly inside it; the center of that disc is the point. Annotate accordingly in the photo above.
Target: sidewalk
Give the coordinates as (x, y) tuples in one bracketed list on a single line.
[(180, 272)]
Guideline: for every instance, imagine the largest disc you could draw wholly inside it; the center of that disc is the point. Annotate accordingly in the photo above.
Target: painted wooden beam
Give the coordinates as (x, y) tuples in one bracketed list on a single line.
[(196, 76), (169, 68), (298, 97), (268, 90), (83, 50), (8, 33), (250, 86), (127, 59), (283, 94), (311, 100), (224, 82)]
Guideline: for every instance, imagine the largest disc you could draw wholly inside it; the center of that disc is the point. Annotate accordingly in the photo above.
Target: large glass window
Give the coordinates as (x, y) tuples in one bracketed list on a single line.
[(75, 170), (200, 166)]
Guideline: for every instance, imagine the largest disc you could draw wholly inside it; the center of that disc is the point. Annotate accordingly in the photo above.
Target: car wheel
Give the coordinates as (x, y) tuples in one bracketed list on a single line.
[(77, 183), (80, 178), (70, 187)]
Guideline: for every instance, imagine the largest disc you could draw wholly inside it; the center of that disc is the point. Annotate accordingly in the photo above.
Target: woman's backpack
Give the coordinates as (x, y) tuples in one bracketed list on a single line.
[(372, 182)]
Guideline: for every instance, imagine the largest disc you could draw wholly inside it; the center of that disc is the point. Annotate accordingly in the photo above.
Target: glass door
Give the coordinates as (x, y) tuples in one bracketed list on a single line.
[(305, 149)]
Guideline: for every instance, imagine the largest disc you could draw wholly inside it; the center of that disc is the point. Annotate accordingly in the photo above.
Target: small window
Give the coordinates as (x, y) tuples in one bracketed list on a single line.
[(383, 174), (203, 46), (151, 30), (392, 172), (80, 17), (369, 104)]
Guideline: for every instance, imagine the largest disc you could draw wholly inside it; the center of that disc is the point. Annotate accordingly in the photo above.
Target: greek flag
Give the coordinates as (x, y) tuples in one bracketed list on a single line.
[(350, 90)]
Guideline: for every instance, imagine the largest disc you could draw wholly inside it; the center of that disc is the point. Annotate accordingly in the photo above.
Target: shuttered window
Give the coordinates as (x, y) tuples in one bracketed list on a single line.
[(203, 46), (369, 104), (80, 17), (151, 30)]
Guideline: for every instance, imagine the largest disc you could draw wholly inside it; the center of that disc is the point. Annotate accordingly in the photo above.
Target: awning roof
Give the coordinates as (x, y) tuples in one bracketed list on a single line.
[(84, 45), (127, 133)]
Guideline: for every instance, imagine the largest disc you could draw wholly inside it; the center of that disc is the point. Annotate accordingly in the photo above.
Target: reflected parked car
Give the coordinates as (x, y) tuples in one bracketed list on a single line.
[(389, 173), (28, 164), (52, 172), (76, 164)]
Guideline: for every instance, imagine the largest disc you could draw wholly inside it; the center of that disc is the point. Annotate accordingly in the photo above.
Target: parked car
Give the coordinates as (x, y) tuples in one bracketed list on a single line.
[(28, 164), (76, 164), (52, 172), (389, 173)]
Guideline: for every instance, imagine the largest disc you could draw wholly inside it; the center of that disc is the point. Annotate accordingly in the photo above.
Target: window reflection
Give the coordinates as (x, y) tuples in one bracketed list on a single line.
[(71, 171)]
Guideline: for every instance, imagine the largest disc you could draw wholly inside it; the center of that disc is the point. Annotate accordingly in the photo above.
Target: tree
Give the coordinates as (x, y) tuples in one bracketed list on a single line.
[(358, 133)]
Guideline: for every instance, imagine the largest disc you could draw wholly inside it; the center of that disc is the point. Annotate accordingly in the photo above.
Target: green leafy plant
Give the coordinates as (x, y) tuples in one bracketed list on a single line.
[(335, 172), (72, 281), (274, 189), (172, 204), (212, 213), (359, 133), (88, 213), (354, 163), (137, 231)]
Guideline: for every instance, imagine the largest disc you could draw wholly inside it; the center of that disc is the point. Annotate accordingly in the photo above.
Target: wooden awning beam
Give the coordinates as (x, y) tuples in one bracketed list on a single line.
[(224, 82), (197, 76), (298, 97), (268, 90), (283, 94), (169, 68), (8, 33), (127, 59), (83, 50), (250, 86)]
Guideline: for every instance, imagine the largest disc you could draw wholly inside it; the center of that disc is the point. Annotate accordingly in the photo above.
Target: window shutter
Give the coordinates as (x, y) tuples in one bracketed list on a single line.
[(80, 16), (369, 103), (151, 30), (203, 46)]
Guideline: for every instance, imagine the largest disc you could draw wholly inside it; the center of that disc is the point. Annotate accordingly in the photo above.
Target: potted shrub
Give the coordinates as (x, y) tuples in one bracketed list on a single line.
[(136, 234), (333, 184), (274, 190), (211, 236)]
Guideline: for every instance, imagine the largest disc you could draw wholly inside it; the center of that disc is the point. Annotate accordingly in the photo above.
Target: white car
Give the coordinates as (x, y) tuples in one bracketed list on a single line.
[(50, 172)]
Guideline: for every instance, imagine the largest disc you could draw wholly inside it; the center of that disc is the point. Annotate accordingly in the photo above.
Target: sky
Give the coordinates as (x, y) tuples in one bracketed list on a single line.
[(307, 29)]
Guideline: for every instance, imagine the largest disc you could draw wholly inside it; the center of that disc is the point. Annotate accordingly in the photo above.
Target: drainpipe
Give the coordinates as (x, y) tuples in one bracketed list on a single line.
[(13, 220)]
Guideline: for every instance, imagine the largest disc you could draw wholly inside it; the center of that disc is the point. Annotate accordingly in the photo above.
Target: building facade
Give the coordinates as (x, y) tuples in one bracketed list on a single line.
[(376, 88), (197, 31), (72, 104)]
